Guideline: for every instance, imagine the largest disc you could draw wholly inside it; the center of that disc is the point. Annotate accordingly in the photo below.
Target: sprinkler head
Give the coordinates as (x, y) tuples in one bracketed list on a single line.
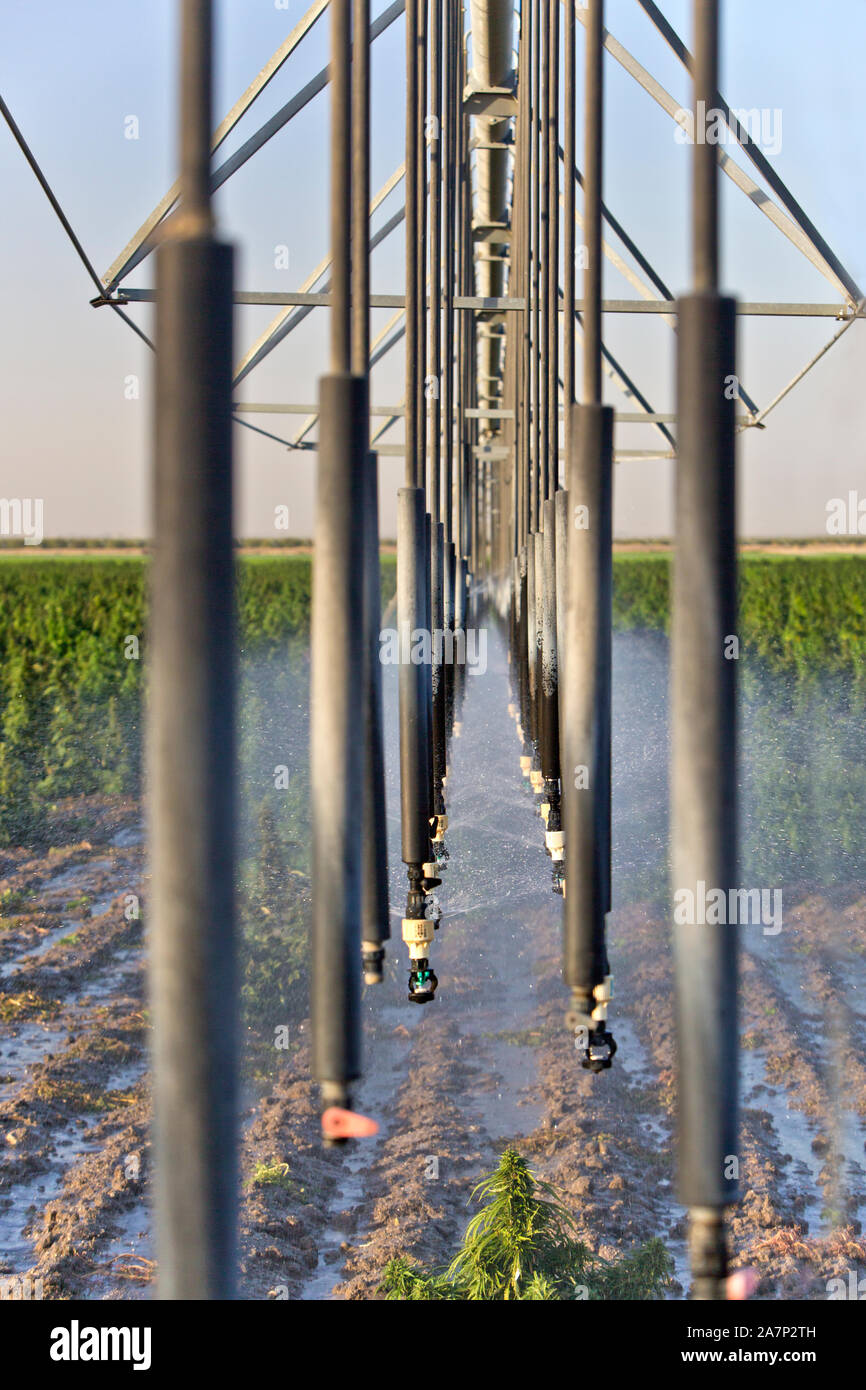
[(599, 1052), (587, 1021), (418, 934), (340, 1124), (372, 958), (431, 877), (335, 1098), (422, 983)]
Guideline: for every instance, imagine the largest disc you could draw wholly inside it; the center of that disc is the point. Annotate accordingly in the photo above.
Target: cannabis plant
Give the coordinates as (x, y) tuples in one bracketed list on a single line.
[(522, 1245)]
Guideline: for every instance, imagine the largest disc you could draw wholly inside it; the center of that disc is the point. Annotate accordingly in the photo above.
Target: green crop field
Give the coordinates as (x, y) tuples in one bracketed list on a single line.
[(73, 647)]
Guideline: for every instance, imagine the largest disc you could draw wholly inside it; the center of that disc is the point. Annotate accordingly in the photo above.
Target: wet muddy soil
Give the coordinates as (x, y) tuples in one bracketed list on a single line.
[(488, 1064)]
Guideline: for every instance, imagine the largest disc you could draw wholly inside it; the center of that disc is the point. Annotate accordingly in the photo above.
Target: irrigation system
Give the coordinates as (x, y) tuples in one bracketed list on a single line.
[(505, 509)]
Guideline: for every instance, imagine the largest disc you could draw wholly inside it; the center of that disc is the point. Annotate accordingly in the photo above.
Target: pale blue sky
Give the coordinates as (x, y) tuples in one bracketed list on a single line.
[(72, 74)]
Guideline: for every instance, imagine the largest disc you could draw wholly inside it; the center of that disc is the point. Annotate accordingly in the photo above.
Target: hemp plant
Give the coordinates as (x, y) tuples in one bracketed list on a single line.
[(522, 1245)]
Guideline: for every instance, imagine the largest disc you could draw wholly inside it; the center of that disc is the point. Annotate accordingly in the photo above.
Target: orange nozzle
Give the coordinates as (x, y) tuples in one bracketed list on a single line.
[(742, 1284), (338, 1123)]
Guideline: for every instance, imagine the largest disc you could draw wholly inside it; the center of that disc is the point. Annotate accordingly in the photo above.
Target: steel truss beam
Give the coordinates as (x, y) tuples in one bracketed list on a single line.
[(479, 304)]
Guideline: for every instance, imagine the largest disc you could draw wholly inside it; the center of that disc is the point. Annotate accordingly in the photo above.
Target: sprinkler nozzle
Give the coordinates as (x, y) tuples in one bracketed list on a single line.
[(587, 1019), (600, 1050), (372, 958), (335, 1099), (340, 1124), (422, 983), (430, 873), (418, 933)]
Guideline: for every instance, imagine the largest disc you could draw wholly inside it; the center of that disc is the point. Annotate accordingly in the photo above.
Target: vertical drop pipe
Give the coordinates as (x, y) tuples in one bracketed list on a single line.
[(427, 667), (413, 347), (191, 725), (421, 376), (561, 513), (569, 186), (523, 664), (530, 634), (440, 653), (338, 638), (552, 137), (537, 777), (550, 679), (421, 14), (554, 838), (547, 271), (531, 643), (449, 169), (588, 616), (703, 713), (531, 68), (540, 471), (568, 216), (413, 573), (375, 910), (539, 413), (465, 356), (524, 462), (414, 741), (438, 552), (375, 928), (535, 156)]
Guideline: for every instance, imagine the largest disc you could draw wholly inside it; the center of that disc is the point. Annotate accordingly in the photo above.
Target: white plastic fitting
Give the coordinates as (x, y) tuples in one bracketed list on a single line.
[(555, 841), (602, 994), (417, 934)]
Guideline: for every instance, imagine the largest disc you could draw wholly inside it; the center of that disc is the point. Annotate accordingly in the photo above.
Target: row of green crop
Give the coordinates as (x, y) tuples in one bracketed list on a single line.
[(804, 615), (73, 647), (81, 610), (66, 622)]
